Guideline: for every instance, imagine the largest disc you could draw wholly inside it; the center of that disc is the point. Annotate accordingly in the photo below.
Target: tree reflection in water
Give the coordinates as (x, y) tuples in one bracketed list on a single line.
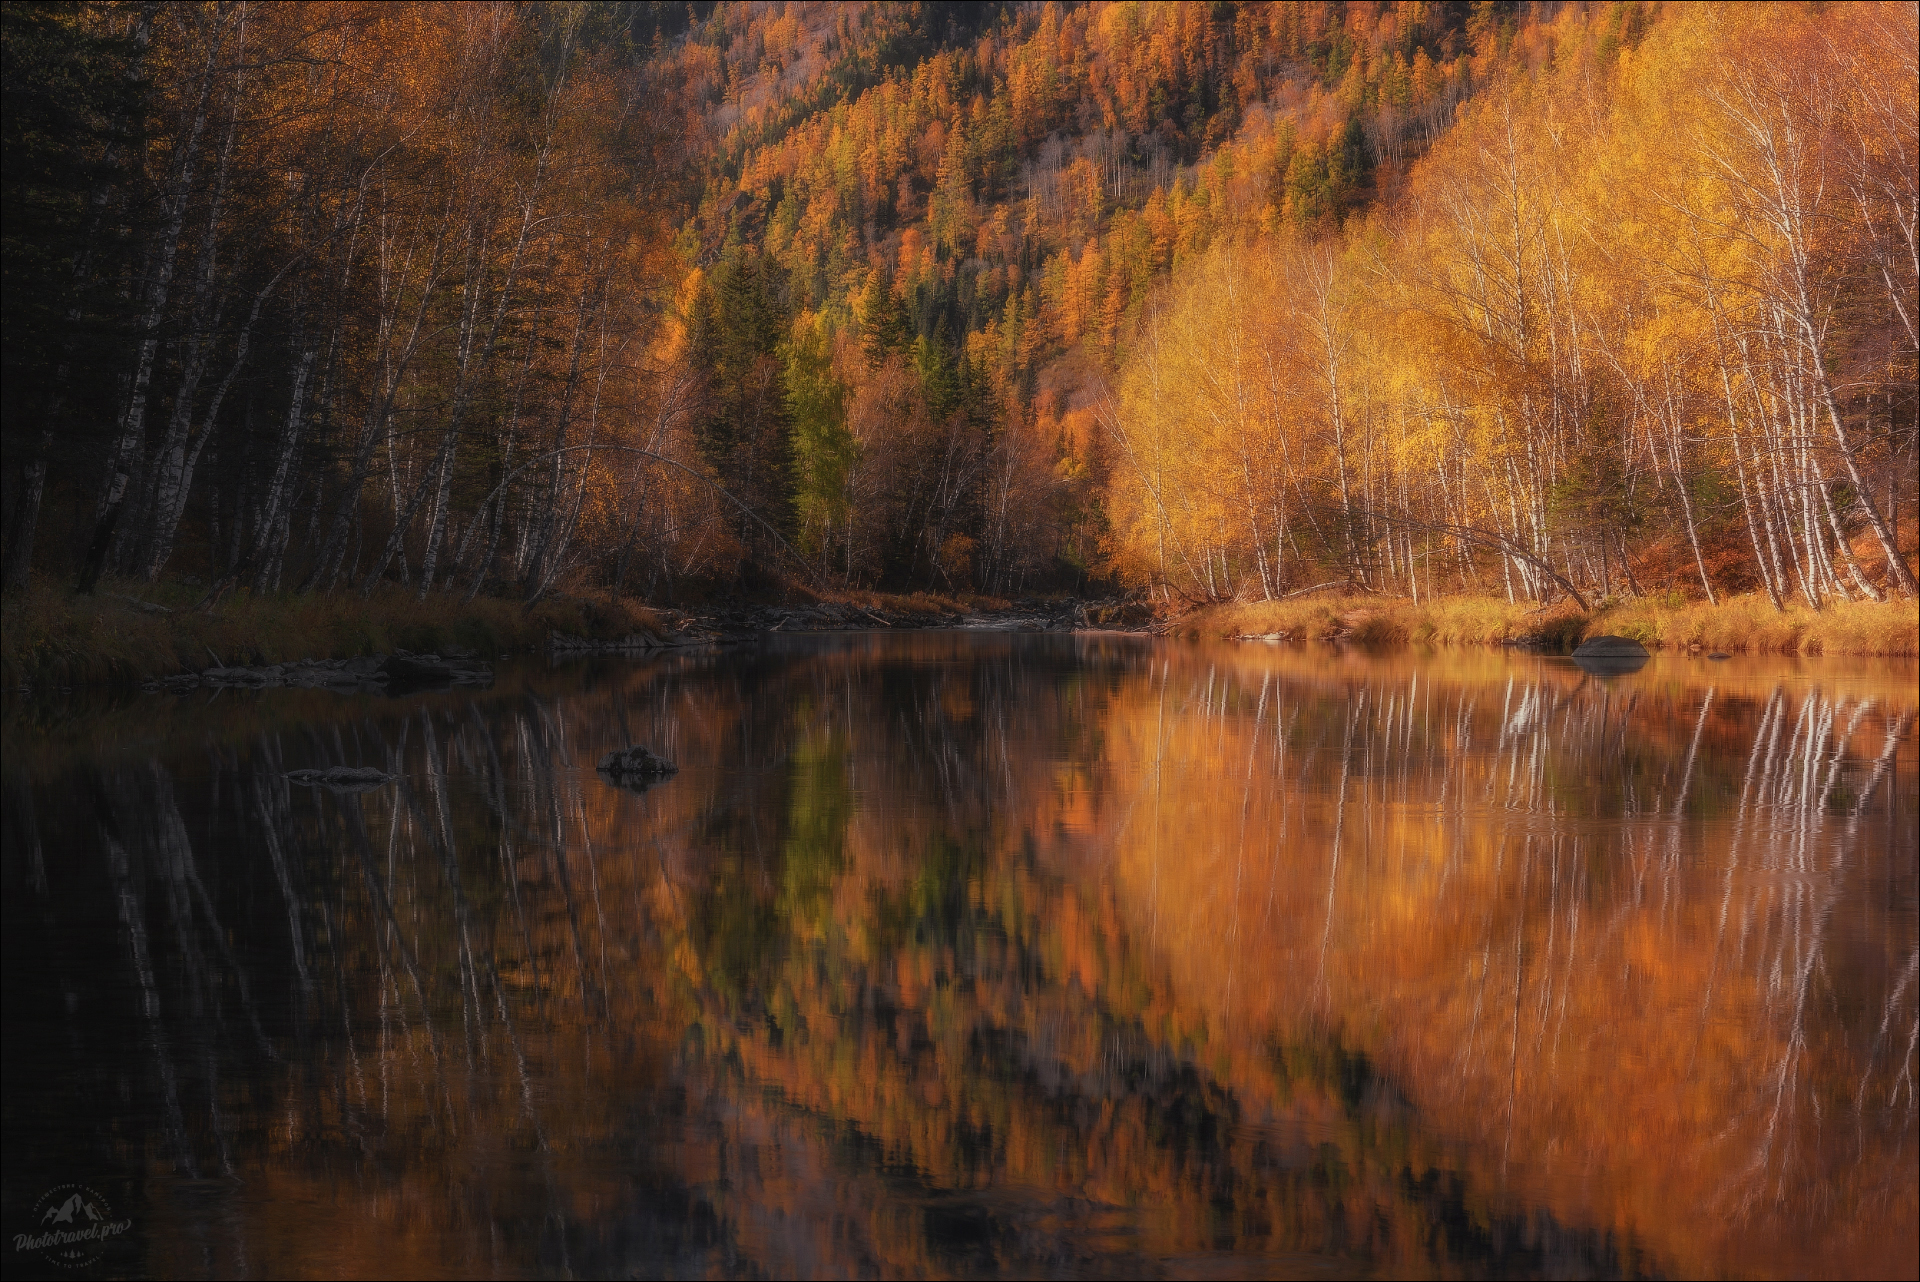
[(956, 955)]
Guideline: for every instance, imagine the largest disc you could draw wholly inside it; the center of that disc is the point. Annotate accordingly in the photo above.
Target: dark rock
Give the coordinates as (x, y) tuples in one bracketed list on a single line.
[(1610, 648), (343, 778), (1610, 656), (1719, 654), (636, 767)]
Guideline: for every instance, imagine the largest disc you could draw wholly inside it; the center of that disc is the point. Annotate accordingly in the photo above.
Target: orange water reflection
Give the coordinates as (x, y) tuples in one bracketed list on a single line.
[(953, 955)]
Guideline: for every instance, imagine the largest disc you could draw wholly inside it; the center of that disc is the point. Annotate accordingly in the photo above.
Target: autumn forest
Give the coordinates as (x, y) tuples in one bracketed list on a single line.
[(1199, 301), (930, 639)]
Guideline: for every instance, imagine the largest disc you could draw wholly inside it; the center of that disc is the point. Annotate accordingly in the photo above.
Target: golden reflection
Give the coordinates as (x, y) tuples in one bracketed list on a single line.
[(950, 954)]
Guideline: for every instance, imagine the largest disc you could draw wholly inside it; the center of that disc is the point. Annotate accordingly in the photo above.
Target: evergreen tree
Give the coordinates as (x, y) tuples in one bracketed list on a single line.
[(884, 326), (744, 435), (824, 451)]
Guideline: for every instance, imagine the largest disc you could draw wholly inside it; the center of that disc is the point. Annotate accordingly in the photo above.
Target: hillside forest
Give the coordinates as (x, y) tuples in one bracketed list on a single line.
[(1199, 301)]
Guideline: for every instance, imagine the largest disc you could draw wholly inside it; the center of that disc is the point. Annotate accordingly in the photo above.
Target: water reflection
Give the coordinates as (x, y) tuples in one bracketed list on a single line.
[(959, 955)]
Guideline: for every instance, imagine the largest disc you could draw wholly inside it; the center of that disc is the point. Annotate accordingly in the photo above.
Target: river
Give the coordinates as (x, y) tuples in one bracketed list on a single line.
[(976, 954)]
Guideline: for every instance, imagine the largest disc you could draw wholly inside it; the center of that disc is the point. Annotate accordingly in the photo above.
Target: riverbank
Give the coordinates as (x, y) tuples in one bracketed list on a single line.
[(1737, 625), (128, 634)]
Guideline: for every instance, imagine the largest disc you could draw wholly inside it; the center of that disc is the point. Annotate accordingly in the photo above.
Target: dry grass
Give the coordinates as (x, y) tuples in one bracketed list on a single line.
[(1750, 624), (53, 638), (1745, 624), (1387, 621)]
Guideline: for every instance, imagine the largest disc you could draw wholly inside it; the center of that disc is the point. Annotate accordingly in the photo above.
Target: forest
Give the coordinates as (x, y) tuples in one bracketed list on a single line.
[(1202, 302)]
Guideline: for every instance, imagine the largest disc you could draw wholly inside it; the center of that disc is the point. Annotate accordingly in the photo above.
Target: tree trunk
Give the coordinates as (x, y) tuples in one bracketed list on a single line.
[(159, 288), (271, 522)]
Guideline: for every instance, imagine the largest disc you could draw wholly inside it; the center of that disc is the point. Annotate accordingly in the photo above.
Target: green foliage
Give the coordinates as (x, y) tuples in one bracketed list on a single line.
[(819, 809), (884, 326), (737, 336), (743, 931), (824, 451), (940, 379), (1325, 182)]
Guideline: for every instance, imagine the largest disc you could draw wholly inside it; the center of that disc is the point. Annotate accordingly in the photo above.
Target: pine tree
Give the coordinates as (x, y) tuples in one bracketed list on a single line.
[(744, 434)]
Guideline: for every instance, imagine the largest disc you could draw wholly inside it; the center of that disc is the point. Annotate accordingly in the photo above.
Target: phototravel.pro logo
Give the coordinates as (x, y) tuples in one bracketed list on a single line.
[(72, 1227)]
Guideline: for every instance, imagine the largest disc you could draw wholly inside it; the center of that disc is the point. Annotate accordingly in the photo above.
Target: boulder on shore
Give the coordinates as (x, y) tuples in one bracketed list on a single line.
[(636, 767)]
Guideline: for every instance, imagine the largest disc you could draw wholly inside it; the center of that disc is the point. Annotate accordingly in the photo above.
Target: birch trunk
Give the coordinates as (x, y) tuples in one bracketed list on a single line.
[(271, 522), (159, 288)]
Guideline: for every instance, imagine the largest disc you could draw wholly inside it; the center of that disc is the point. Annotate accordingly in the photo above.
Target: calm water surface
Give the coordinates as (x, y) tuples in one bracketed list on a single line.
[(968, 954)]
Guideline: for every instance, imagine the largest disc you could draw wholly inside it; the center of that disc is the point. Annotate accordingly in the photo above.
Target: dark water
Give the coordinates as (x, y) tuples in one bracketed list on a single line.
[(964, 954)]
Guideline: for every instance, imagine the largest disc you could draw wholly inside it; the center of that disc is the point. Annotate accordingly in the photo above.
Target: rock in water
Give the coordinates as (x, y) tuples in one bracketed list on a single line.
[(1610, 656), (636, 765), (1610, 648)]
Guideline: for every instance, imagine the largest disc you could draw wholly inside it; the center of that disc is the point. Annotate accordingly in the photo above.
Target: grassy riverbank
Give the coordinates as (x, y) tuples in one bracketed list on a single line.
[(1738, 625), (128, 633), (132, 632)]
